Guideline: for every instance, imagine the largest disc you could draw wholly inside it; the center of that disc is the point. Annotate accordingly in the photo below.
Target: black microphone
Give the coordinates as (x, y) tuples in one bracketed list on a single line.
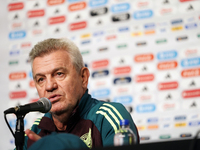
[(42, 105)]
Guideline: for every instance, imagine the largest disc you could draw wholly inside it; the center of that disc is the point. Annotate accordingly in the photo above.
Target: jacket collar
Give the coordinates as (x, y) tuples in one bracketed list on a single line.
[(85, 103), (47, 123)]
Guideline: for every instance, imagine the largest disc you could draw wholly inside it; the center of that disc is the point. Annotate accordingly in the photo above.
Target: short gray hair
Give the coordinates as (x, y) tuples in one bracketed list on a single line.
[(51, 45)]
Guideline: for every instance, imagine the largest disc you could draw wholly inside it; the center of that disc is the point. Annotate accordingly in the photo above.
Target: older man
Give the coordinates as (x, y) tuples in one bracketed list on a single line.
[(60, 75)]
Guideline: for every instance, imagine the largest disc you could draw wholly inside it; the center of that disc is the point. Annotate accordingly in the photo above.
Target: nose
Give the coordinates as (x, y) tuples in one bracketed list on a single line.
[(51, 85)]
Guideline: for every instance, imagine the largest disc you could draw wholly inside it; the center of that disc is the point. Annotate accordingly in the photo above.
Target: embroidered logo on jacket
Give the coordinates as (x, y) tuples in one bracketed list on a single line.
[(87, 138)]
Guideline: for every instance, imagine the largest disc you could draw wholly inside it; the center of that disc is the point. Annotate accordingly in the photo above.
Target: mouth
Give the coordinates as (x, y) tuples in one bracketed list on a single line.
[(54, 98)]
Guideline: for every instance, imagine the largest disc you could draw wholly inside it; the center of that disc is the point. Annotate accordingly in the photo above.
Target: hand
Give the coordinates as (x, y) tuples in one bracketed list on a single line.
[(32, 135)]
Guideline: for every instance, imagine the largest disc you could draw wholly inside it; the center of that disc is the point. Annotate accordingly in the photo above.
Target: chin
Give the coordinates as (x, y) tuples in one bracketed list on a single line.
[(59, 112)]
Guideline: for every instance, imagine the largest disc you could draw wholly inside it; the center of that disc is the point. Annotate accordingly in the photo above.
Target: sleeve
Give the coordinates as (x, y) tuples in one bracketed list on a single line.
[(59, 141), (110, 115)]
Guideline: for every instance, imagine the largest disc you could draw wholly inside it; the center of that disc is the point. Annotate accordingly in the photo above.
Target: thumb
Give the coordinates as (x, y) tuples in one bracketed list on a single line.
[(32, 135)]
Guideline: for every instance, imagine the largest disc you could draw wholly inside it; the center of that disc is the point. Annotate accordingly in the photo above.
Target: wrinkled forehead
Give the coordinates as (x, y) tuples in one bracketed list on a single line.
[(51, 60), (43, 54)]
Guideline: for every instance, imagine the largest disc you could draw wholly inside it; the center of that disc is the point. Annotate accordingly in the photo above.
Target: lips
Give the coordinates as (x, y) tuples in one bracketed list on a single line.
[(54, 97)]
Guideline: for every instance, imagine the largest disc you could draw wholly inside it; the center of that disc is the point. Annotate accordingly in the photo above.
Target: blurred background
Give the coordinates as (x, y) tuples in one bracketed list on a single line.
[(144, 54)]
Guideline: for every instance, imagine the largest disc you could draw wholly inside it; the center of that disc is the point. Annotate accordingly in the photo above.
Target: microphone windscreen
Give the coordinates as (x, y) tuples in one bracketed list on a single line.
[(47, 104)]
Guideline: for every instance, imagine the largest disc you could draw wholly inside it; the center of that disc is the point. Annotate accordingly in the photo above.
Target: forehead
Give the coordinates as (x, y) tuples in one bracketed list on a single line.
[(51, 61)]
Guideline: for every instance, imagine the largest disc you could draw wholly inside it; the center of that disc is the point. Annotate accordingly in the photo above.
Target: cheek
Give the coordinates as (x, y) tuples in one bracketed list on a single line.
[(40, 92), (72, 89), (69, 89)]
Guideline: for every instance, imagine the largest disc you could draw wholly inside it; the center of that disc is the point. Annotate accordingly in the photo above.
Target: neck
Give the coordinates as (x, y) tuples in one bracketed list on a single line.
[(61, 121)]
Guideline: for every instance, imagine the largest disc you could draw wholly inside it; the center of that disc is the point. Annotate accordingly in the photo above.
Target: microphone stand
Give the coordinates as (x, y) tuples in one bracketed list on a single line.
[(19, 133), (43, 105)]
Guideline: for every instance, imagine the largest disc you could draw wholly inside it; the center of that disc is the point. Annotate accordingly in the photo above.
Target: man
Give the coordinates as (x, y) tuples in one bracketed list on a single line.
[(59, 75)]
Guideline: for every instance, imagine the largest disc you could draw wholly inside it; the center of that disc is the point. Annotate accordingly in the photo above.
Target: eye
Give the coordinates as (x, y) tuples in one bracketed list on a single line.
[(59, 73), (40, 80)]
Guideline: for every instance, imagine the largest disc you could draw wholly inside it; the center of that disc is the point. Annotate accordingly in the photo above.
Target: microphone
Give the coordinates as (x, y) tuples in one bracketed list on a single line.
[(42, 105)]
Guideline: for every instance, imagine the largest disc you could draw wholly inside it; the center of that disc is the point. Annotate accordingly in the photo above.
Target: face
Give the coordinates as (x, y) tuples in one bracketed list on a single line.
[(57, 79)]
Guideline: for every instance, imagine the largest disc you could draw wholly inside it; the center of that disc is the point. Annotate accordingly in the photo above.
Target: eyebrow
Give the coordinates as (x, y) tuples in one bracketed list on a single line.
[(53, 71)]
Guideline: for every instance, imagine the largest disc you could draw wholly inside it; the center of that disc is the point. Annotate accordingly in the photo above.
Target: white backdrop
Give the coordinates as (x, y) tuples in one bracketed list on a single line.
[(144, 54)]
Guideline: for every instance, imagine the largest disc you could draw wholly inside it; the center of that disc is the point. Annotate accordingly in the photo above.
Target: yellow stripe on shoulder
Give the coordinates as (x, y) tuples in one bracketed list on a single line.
[(111, 113), (38, 119), (36, 123), (116, 111), (109, 120)]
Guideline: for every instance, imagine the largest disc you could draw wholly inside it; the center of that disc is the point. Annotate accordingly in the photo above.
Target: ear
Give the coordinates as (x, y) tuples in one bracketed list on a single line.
[(85, 73)]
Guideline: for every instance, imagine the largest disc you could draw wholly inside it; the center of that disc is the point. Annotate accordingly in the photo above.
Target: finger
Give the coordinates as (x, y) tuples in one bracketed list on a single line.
[(32, 135)]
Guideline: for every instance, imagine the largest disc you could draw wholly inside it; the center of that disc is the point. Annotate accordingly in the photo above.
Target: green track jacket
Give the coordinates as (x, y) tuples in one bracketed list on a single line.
[(94, 122)]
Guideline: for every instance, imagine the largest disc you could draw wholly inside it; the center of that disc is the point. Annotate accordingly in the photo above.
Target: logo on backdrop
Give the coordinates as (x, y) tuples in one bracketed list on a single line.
[(17, 35), (98, 11), (143, 14), (101, 73), (77, 6), (95, 3), (122, 80), (100, 63), (101, 93), (190, 62), (120, 7), (35, 13), (167, 55), (120, 17), (78, 25), (145, 108), (55, 2), (123, 99), (15, 6), (17, 75)]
